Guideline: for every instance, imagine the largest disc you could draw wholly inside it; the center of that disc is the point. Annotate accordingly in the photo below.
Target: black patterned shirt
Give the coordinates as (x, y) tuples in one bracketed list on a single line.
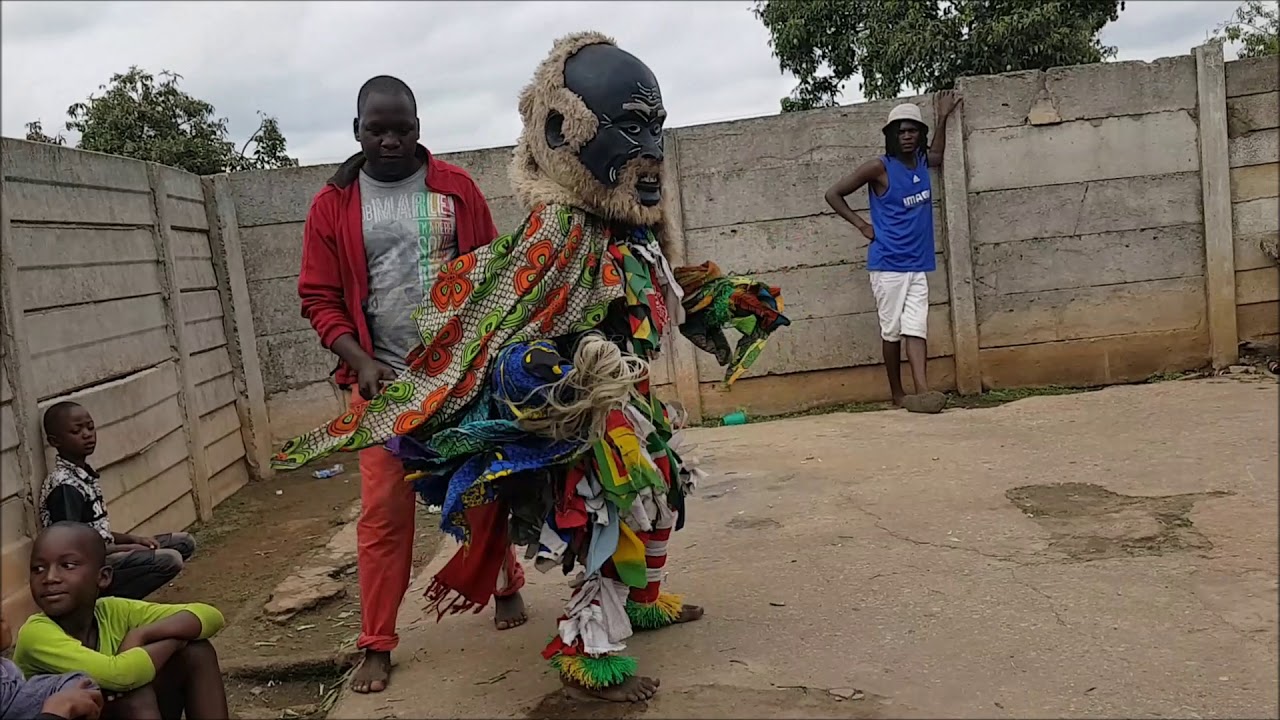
[(73, 493)]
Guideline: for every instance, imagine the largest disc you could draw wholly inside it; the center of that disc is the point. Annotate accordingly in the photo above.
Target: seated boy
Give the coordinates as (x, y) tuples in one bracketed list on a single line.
[(156, 657), (70, 696), (141, 565)]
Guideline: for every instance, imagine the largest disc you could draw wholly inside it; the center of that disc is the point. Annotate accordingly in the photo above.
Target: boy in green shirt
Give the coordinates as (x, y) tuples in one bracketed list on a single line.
[(157, 658)]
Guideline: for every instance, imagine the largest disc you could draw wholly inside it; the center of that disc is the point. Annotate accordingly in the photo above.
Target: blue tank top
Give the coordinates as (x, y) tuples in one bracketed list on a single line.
[(903, 219)]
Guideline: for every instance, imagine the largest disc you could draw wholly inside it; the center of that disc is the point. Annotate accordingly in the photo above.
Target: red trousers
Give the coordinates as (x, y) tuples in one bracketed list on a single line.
[(384, 535)]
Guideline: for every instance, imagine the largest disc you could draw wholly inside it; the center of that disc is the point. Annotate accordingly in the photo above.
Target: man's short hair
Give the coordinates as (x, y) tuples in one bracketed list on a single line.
[(56, 415), (385, 85)]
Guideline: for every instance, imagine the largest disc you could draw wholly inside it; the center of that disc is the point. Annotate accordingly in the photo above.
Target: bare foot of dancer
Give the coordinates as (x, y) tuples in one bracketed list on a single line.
[(508, 612), (633, 689), (373, 673)]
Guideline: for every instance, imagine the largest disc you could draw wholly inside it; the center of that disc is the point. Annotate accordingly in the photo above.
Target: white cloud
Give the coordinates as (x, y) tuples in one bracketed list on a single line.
[(466, 61)]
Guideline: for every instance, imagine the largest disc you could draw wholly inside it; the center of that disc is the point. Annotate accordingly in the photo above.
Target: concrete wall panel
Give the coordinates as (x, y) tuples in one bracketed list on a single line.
[(61, 165), (1258, 286), (1084, 208), (1253, 112), (180, 513), (295, 359), (1255, 181), (1116, 147), (73, 205), (228, 481), (210, 365), (1087, 260), (1254, 217), (196, 274), (125, 336), (136, 506), (188, 215), (134, 471), (1259, 322), (1251, 76), (272, 251), (1256, 148), (1081, 92), (1094, 362), (1081, 313), (277, 309)]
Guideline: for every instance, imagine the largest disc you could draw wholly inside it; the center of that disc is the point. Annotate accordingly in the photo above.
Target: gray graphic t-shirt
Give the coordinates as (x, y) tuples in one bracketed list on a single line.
[(409, 233)]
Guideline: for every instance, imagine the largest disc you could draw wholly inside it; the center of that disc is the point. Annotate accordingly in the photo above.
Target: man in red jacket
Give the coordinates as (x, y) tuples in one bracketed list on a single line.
[(375, 238)]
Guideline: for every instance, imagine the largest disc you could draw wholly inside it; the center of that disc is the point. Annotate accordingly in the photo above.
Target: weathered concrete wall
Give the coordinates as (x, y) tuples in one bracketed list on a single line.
[(1252, 106), (1070, 238), (1086, 223), (111, 301)]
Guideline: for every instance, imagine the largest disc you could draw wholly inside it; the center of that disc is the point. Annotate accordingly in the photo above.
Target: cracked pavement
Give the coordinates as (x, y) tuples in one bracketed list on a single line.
[(892, 564)]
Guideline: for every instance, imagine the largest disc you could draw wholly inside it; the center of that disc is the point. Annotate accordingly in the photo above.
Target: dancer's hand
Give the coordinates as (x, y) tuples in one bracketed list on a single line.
[(372, 376)]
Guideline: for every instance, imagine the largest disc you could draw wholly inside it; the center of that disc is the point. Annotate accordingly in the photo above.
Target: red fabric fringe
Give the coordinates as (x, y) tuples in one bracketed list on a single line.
[(467, 582)]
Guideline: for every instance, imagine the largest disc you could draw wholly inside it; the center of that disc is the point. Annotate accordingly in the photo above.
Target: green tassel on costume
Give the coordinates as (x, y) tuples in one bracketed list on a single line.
[(595, 672), (657, 614)]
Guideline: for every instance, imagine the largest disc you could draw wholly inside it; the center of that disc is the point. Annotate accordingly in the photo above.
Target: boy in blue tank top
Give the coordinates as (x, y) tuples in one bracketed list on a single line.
[(901, 241)]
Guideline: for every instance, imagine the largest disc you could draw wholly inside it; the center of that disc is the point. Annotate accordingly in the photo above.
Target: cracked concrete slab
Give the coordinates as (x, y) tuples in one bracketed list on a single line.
[(897, 571), (318, 581)]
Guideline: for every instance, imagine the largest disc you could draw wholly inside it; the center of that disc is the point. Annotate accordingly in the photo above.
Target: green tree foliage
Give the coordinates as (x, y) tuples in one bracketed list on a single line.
[(35, 133), (925, 45), (141, 116), (1256, 26)]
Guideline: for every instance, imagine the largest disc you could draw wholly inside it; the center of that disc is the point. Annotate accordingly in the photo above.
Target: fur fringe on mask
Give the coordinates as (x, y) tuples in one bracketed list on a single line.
[(540, 174)]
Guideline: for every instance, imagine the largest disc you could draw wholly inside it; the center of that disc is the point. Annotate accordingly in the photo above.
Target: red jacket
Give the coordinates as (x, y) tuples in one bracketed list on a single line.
[(334, 280)]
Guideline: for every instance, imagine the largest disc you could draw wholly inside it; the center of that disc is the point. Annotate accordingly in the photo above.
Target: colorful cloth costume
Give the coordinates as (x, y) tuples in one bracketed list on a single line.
[(527, 412)]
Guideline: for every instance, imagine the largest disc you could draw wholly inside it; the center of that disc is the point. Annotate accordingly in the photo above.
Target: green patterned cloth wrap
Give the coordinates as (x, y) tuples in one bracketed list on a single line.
[(552, 277)]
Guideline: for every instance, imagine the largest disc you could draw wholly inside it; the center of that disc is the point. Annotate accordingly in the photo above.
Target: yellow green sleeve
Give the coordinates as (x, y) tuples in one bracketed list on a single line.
[(43, 648), (211, 620), (133, 614)]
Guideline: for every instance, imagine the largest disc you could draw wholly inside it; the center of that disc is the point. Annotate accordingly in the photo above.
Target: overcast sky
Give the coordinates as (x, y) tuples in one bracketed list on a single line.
[(466, 61)]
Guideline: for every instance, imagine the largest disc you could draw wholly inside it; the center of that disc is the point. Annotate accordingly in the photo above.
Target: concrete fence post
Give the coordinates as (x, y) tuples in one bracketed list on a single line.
[(175, 322), (18, 369), (964, 313), (237, 320), (680, 352), (1215, 186)]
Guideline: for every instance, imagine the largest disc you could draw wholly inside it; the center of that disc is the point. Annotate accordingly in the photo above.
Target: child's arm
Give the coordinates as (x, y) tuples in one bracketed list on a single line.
[(152, 622), (43, 648)]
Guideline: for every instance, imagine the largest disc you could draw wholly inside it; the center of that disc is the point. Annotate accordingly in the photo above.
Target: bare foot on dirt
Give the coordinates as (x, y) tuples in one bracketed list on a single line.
[(633, 689), (689, 613), (373, 673), (508, 612)]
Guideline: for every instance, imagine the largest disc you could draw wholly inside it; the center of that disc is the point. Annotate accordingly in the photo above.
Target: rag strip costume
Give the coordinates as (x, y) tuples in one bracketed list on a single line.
[(527, 414)]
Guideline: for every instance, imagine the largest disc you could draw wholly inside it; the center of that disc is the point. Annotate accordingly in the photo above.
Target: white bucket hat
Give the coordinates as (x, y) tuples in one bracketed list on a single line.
[(905, 111)]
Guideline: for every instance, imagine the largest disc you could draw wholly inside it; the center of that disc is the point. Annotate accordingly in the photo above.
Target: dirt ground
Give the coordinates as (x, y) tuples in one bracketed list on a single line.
[(257, 538), (1102, 554), (1083, 555)]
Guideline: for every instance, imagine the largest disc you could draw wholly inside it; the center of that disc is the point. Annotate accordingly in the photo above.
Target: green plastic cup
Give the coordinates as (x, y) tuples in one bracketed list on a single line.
[(735, 418)]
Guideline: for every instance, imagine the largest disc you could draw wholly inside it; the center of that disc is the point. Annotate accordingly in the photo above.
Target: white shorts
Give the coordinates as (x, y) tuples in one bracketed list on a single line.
[(902, 302)]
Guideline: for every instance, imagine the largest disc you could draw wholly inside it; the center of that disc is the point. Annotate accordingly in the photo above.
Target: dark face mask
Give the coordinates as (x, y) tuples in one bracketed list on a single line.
[(624, 96)]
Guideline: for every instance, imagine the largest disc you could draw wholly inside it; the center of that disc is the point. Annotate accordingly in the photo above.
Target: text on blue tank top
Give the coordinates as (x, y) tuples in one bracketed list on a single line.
[(903, 219)]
